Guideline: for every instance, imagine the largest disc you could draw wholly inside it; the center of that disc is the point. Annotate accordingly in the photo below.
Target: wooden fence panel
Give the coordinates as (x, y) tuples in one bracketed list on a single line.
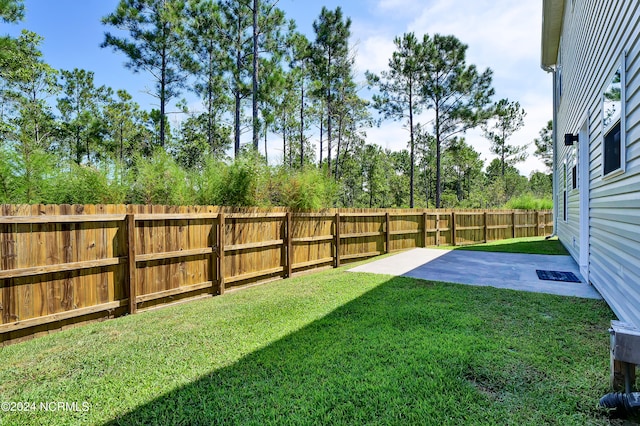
[(431, 234), (445, 229), (56, 272), (469, 228), (254, 247), (175, 258), (361, 235), (63, 265), (312, 240), (406, 230), (499, 226)]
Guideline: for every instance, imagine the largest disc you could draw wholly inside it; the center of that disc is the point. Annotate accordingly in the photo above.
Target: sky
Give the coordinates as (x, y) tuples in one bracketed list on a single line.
[(503, 35)]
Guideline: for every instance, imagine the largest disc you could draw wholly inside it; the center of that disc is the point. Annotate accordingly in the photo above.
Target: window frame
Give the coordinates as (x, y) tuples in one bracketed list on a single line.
[(621, 121)]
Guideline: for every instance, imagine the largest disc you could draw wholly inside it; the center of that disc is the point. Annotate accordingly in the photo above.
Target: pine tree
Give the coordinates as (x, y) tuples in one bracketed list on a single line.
[(544, 145), (81, 110), (400, 95), (207, 64), (154, 45), (331, 62), (456, 92), (508, 119)]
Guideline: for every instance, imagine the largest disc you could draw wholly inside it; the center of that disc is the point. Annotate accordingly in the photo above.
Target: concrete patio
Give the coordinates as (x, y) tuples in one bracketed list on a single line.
[(501, 270)]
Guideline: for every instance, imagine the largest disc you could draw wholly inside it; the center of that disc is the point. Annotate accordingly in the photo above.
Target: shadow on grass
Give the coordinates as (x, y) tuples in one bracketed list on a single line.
[(412, 352), (553, 247)]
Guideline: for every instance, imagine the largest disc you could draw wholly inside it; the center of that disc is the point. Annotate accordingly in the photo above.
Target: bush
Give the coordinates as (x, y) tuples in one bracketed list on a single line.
[(84, 185), (160, 180), (529, 202), (244, 181), (309, 189), (209, 182)]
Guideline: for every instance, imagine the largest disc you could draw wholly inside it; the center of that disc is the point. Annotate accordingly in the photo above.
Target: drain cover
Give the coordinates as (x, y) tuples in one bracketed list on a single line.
[(568, 277)]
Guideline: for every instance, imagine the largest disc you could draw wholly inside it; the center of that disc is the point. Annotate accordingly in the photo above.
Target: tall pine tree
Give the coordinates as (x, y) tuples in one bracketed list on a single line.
[(457, 94), (331, 63), (508, 118), (154, 45), (400, 95)]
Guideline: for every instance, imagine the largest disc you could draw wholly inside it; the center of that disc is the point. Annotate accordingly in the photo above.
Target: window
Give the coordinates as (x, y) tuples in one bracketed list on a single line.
[(612, 142), (564, 192), (613, 114), (574, 169), (559, 74)]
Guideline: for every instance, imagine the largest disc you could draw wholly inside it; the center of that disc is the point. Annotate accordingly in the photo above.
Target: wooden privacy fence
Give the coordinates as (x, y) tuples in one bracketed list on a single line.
[(63, 265)]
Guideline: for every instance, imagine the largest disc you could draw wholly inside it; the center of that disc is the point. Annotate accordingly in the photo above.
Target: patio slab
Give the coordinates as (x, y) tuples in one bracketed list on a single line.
[(502, 270)]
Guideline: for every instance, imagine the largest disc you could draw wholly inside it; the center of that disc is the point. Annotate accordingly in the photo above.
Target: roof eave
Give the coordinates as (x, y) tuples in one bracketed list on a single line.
[(552, 15)]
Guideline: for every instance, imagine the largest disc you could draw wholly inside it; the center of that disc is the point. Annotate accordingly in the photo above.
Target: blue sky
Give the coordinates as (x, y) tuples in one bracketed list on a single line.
[(503, 35)]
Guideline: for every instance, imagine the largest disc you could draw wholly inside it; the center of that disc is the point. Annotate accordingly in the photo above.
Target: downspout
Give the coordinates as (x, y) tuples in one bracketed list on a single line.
[(622, 403), (554, 132)]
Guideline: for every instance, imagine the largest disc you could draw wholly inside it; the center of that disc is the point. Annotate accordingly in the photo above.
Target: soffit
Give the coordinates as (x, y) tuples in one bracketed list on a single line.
[(552, 15)]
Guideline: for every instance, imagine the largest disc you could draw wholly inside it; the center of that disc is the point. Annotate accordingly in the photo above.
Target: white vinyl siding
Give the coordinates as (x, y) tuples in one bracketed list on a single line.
[(595, 36)]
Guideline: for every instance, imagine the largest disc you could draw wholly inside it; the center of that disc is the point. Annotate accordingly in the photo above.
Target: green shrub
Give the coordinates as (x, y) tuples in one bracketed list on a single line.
[(209, 182), (309, 189), (245, 181), (529, 202), (84, 185), (160, 180), (25, 178)]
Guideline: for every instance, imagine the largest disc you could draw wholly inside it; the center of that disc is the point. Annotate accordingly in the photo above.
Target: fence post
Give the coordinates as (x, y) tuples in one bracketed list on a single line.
[(221, 254), (337, 243), (289, 246), (388, 232), (513, 221), (130, 226), (213, 261), (485, 227), (424, 229), (453, 228), (538, 223)]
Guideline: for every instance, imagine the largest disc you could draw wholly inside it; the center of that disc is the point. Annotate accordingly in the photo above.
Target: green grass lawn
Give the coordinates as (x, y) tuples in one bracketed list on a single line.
[(329, 348), (528, 245)]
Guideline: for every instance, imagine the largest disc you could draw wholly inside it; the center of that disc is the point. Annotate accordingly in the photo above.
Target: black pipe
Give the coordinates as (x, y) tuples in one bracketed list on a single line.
[(622, 402)]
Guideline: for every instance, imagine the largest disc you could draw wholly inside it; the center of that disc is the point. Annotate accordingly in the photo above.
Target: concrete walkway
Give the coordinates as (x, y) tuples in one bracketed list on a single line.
[(501, 270)]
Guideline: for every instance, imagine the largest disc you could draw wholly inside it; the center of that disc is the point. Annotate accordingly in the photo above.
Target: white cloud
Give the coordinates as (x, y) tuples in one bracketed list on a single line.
[(374, 53), (398, 9), (501, 34)]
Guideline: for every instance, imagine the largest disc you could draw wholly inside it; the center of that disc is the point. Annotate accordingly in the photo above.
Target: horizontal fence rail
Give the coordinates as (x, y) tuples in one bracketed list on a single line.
[(65, 265)]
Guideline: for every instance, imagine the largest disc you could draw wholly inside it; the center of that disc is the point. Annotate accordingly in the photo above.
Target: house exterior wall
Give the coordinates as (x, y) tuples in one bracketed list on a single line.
[(596, 35)]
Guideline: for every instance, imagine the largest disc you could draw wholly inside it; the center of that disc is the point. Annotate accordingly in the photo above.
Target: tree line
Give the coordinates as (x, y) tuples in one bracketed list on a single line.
[(65, 138)]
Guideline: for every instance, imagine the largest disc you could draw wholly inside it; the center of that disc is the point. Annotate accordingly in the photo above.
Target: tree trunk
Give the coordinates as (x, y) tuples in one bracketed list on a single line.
[(302, 125), (412, 148), (338, 148), (438, 177), (329, 131), (329, 114), (210, 104), (121, 144), (266, 155), (321, 135), (163, 84), (78, 146), (237, 96), (236, 125), (256, 30)]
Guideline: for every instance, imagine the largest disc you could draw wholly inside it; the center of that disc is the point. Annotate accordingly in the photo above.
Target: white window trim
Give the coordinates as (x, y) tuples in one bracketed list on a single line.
[(622, 63), (573, 163)]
